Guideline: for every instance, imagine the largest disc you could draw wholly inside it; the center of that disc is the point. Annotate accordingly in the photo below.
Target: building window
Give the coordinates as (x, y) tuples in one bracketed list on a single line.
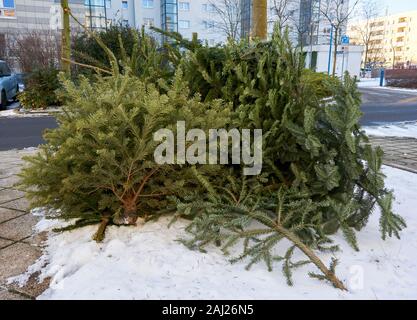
[(95, 15), (208, 7), (108, 4), (184, 24), (148, 22), (184, 6), (169, 15), (208, 24), (125, 22), (124, 5), (147, 4), (7, 9)]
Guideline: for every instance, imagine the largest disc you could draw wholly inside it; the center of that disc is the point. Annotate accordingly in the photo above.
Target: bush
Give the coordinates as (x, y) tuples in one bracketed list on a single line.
[(322, 82), (132, 49), (41, 90)]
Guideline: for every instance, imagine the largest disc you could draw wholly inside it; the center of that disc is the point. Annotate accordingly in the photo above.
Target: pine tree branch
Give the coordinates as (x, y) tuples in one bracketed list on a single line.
[(311, 255)]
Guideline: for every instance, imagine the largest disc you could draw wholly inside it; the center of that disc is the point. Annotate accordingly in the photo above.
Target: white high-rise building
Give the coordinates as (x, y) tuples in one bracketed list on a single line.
[(303, 17), (183, 16)]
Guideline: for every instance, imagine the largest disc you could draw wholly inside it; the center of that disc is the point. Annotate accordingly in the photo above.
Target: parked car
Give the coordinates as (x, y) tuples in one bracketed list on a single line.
[(9, 87)]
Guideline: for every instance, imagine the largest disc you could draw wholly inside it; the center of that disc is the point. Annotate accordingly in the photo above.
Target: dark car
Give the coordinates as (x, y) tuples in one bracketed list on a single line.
[(9, 87)]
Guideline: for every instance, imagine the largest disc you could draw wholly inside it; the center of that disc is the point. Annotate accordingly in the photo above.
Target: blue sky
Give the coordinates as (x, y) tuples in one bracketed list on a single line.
[(397, 6)]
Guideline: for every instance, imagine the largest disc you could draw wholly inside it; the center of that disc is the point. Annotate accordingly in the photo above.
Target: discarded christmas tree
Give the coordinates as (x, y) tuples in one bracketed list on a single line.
[(98, 166), (320, 173)]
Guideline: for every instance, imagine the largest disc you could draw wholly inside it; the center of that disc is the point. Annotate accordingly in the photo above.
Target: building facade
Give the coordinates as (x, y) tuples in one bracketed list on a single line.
[(391, 40), (307, 25), (23, 15), (183, 16), (314, 26)]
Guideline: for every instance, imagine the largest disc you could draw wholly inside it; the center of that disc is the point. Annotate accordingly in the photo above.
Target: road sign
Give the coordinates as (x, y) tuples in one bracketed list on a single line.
[(345, 39)]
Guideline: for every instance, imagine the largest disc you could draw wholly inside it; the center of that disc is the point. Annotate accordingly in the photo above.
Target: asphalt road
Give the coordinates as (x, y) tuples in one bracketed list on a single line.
[(19, 133), (387, 106), (379, 106)]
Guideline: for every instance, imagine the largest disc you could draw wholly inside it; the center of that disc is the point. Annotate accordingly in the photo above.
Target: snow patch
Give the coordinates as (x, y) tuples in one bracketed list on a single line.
[(369, 83), (9, 113), (406, 130), (146, 262)]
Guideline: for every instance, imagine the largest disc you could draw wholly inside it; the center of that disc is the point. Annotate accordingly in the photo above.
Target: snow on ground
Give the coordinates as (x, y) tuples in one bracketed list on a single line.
[(375, 83), (8, 113), (146, 262), (368, 82), (398, 89), (407, 129), (13, 111)]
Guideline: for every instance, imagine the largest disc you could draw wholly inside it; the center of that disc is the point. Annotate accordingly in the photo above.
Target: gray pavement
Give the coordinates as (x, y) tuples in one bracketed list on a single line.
[(381, 106), (398, 152), (21, 133), (19, 246)]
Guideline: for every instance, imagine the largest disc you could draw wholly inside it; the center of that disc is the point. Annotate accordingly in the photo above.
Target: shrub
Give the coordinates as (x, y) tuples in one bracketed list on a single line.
[(321, 82), (132, 49), (41, 90)]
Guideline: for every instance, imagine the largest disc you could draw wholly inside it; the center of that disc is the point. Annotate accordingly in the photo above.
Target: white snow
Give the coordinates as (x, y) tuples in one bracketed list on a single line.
[(407, 130), (14, 112), (399, 89), (11, 113), (375, 83), (369, 83), (146, 262)]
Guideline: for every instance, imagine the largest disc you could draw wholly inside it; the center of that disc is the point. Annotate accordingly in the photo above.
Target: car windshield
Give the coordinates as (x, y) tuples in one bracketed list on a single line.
[(4, 69)]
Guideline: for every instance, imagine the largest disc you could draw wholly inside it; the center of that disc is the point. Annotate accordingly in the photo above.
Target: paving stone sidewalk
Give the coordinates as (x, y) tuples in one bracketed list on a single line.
[(399, 152), (19, 246)]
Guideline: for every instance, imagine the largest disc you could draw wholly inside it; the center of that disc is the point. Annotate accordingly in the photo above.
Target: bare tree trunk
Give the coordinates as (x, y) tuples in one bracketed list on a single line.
[(336, 46), (66, 38), (260, 27), (366, 55)]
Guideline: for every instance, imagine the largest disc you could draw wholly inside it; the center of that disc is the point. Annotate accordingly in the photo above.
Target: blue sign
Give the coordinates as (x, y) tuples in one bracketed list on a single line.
[(345, 39)]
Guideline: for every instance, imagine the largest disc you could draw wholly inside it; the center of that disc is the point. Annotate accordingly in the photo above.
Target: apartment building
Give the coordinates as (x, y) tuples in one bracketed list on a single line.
[(23, 15), (183, 16), (391, 40), (305, 19), (314, 27)]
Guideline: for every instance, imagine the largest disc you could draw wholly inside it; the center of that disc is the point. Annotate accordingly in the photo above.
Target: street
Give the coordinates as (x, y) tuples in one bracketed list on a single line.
[(19, 133), (382, 106)]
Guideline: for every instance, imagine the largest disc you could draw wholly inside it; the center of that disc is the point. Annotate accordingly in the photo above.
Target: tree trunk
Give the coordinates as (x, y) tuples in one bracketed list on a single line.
[(336, 35), (99, 235), (366, 55), (66, 38), (310, 254), (129, 215), (260, 26)]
